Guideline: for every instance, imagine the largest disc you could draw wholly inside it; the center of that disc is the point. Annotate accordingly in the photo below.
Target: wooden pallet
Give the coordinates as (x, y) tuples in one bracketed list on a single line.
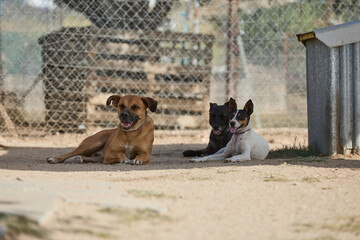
[(81, 66)]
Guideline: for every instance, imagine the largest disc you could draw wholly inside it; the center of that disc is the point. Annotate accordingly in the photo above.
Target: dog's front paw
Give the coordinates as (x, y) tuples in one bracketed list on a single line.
[(133, 162), (78, 159), (125, 161), (232, 160), (50, 160), (227, 160), (198, 159), (137, 162)]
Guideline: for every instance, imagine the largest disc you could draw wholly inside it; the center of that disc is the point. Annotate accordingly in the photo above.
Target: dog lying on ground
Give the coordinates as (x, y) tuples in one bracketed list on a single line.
[(245, 144), (219, 118), (131, 142)]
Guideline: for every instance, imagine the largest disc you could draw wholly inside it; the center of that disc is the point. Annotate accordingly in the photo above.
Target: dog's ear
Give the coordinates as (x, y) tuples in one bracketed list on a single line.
[(113, 100), (249, 107), (231, 104), (212, 105), (150, 103)]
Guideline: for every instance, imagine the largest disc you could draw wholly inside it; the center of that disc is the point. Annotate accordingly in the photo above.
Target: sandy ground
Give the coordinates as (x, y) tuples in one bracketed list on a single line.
[(303, 198)]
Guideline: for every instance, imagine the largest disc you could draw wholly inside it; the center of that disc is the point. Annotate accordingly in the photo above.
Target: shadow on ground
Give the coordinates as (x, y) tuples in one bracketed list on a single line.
[(163, 157)]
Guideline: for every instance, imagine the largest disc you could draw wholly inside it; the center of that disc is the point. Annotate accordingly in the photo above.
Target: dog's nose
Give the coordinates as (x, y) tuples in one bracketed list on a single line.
[(232, 124), (124, 114)]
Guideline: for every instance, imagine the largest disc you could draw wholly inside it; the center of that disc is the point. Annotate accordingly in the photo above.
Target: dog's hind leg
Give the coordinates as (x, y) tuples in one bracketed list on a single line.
[(244, 156), (82, 159), (87, 147)]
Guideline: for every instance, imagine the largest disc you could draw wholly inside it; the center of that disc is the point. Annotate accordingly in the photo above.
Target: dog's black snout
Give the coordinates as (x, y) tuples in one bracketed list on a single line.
[(216, 128), (124, 115), (232, 124)]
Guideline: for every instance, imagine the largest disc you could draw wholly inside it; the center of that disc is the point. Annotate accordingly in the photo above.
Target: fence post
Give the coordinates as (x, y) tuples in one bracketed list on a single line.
[(1, 67), (235, 77), (328, 13), (285, 40), (229, 51)]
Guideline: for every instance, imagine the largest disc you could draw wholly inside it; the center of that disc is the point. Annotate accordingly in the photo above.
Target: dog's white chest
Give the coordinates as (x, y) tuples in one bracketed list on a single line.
[(128, 150), (239, 146)]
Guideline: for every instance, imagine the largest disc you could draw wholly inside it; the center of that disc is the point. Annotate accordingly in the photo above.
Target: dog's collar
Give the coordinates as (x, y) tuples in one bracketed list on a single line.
[(239, 133), (142, 124)]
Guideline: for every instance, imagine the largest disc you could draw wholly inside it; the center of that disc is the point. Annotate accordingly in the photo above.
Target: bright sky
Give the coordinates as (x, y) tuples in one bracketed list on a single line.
[(42, 3)]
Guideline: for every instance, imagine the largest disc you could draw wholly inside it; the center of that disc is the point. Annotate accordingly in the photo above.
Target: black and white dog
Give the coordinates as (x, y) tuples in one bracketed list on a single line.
[(219, 118), (245, 144)]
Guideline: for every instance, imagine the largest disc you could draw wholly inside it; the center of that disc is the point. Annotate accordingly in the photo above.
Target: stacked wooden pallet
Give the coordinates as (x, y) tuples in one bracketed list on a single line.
[(83, 66)]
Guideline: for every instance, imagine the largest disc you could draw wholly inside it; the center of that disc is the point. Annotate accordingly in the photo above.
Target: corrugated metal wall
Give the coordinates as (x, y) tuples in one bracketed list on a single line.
[(333, 97)]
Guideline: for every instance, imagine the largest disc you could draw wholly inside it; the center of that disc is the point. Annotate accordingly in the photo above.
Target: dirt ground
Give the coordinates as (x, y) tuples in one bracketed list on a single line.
[(304, 198)]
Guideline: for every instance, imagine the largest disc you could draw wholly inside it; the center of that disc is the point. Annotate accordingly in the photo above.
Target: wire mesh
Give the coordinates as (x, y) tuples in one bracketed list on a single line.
[(61, 59)]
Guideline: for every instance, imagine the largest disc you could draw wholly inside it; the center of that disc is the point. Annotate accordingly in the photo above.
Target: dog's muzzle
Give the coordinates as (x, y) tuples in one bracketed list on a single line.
[(217, 130), (128, 120), (233, 128)]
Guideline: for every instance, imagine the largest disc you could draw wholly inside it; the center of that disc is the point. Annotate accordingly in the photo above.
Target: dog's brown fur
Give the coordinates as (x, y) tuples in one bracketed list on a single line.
[(119, 145)]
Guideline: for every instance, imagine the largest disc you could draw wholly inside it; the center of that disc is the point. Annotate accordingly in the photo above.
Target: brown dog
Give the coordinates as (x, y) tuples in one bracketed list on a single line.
[(131, 142)]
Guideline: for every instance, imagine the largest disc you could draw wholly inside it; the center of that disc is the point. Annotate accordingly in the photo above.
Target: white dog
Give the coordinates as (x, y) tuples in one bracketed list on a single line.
[(245, 144)]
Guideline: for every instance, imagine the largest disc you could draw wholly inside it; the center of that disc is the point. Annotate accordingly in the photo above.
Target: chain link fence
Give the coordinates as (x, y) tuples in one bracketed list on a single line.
[(61, 59)]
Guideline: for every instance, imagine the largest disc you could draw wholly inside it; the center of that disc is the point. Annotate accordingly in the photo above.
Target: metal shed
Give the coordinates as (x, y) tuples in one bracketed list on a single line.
[(333, 91)]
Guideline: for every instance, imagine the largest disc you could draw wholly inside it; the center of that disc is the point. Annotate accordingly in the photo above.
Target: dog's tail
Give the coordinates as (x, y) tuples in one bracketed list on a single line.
[(194, 153)]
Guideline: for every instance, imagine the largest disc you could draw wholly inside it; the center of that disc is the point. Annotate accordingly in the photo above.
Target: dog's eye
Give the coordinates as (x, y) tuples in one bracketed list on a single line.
[(135, 107), (122, 106)]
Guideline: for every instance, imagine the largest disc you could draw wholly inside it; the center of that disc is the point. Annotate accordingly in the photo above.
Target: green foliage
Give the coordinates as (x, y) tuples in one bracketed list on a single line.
[(204, 2), (15, 2), (344, 224), (341, 8), (150, 194), (292, 152), (348, 224), (265, 28), (105, 235), (133, 215), (311, 179), (17, 225), (275, 178), (21, 51)]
